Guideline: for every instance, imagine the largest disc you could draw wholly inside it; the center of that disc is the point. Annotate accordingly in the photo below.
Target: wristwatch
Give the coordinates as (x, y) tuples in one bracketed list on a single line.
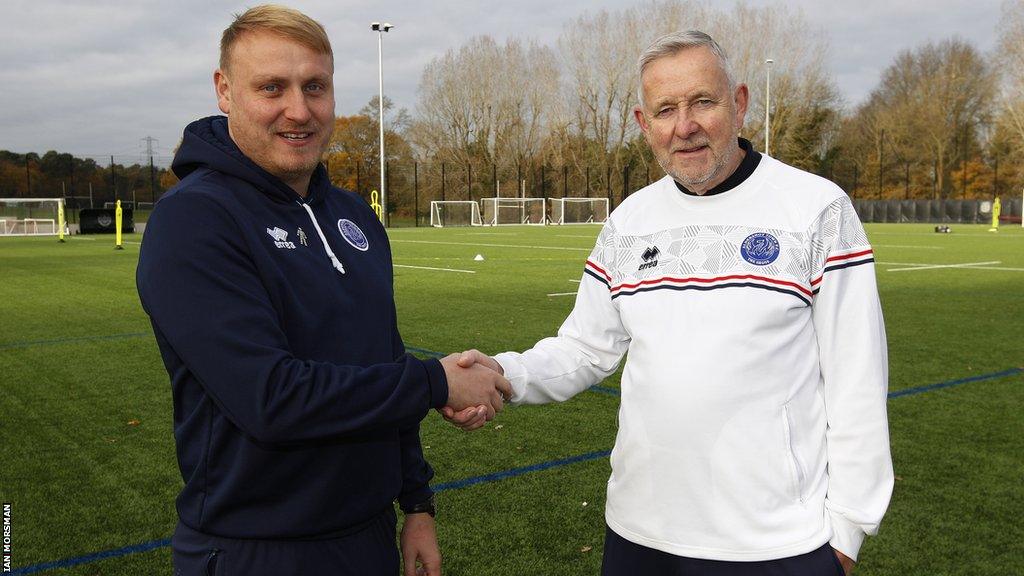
[(425, 507)]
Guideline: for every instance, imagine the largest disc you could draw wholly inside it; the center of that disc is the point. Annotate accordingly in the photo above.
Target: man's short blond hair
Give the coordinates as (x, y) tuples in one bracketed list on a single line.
[(280, 20)]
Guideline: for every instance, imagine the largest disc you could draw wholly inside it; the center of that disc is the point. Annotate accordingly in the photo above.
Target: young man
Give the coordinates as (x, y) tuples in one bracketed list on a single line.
[(753, 436), (296, 408)]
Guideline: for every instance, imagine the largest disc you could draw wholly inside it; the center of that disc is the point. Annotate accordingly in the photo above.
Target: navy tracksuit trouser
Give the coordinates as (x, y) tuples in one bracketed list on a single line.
[(625, 558), (370, 551)]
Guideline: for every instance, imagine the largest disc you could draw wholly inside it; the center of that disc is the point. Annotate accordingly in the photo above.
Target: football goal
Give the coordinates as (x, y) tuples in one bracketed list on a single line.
[(579, 210), (501, 211), (454, 213), (31, 216)]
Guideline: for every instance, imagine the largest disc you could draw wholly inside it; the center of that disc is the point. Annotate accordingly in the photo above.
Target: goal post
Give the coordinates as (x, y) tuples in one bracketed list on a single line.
[(31, 217), (507, 211), (579, 210), (454, 213)]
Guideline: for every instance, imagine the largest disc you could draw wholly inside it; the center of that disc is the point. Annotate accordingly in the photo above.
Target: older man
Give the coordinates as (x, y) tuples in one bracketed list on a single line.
[(752, 429), (296, 409)]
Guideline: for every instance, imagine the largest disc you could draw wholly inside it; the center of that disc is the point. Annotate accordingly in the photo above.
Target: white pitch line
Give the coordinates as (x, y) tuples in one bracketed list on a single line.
[(576, 280), (563, 294), (966, 265), (493, 245), (913, 247), (77, 238), (432, 268), (572, 236)]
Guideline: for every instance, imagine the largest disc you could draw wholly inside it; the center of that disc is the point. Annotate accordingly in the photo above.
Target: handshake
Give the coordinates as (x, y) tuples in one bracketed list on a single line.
[(477, 389)]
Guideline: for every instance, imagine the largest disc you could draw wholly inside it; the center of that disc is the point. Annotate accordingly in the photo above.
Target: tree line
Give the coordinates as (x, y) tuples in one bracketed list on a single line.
[(944, 121), (56, 174)]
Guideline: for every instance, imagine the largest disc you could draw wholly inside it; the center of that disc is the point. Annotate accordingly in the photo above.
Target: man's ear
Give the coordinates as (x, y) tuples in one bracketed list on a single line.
[(638, 114), (223, 88), (742, 99)]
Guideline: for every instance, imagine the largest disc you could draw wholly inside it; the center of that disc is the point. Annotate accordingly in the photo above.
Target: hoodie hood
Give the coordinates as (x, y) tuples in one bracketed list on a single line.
[(207, 144)]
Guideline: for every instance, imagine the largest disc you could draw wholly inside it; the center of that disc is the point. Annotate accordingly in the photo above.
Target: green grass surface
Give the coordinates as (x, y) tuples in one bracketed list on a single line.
[(88, 453)]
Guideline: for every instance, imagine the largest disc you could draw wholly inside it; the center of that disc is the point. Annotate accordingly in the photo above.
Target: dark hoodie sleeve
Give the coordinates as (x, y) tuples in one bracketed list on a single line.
[(416, 471), (204, 295)]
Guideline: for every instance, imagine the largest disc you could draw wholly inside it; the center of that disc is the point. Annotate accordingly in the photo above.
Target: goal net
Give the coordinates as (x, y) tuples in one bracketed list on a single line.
[(31, 216), (501, 211), (579, 210), (454, 213)]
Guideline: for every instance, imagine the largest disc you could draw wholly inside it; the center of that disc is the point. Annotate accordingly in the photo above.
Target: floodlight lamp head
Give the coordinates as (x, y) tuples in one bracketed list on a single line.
[(769, 61), (375, 26), (387, 26)]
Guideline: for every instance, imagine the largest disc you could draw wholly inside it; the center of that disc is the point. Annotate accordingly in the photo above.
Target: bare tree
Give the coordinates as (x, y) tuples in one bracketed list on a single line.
[(520, 103), (929, 109), (486, 103), (1009, 60)]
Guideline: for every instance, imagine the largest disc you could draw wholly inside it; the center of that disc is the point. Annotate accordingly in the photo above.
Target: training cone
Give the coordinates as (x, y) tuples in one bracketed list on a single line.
[(479, 258)]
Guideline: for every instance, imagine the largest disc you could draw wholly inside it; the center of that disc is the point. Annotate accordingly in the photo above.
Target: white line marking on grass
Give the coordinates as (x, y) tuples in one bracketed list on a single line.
[(491, 234), (571, 236), (77, 238), (563, 294), (966, 265), (572, 280), (432, 268), (494, 245), (913, 247)]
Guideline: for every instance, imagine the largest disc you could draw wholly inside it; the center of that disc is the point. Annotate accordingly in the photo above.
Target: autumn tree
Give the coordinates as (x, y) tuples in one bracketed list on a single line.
[(925, 117), (1007, 143), (353, 154)]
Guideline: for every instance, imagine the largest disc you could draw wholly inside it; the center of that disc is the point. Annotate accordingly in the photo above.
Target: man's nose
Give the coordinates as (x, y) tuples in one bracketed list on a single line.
[(686, 125), (296, 107)]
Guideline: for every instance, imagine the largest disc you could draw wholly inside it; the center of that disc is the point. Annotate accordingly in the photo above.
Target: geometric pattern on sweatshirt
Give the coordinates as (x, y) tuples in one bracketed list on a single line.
[(708, 257)]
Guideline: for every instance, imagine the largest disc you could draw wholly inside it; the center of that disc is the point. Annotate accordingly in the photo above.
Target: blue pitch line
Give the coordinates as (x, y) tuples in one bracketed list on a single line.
[(929, 387), (425, 352), (897, 393), (456, 485), (31, 343), (144, 547), (459, 484)]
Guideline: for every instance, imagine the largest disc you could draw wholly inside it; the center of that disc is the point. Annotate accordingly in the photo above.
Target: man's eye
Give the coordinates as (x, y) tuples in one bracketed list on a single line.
[(314, 87), (270, 88), (664, 112)]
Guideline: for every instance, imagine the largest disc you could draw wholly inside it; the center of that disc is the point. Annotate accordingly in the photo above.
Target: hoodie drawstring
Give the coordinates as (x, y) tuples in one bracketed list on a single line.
[(323, 239)]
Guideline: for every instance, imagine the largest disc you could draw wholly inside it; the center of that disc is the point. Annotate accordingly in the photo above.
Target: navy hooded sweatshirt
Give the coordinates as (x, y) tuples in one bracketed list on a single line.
[(296, 408)]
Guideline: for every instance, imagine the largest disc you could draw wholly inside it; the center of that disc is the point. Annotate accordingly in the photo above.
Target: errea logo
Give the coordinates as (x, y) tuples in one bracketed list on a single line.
[(650, 257), (280, 238)]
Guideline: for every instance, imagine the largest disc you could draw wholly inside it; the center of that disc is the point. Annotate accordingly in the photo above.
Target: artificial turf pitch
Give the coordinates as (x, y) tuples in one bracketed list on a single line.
[(87, 458)]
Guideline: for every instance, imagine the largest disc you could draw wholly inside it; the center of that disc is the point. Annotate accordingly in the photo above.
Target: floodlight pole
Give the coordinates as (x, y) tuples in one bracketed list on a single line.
[(767, 104), (380, 29)]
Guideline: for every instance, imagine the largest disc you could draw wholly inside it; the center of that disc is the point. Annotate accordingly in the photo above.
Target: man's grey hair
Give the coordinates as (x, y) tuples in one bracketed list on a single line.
[(672, 44)]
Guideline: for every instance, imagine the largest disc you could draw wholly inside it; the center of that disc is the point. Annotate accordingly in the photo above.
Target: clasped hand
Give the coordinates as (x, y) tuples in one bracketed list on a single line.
[(477, 389)]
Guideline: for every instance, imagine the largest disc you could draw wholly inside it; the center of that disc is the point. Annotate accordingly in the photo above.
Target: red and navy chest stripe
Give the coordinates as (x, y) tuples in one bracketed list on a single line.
[(803, 291)]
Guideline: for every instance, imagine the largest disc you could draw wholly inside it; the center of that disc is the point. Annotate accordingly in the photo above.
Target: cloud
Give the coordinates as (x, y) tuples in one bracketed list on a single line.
[(94, 78)]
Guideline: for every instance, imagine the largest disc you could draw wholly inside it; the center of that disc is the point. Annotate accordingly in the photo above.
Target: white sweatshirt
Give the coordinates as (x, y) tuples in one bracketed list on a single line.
[(752, 423)]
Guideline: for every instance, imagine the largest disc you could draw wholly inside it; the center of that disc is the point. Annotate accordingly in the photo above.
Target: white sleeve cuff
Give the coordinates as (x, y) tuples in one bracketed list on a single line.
[(515, 373), (847, 537)]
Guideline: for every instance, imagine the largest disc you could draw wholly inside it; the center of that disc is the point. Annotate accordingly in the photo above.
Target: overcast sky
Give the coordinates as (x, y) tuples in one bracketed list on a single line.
[(95, 77)]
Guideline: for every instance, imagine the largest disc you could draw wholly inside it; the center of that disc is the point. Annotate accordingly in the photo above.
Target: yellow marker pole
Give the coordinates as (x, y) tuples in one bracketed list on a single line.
[(60, 220), (996, 209), (117, 226), (376, 206)]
